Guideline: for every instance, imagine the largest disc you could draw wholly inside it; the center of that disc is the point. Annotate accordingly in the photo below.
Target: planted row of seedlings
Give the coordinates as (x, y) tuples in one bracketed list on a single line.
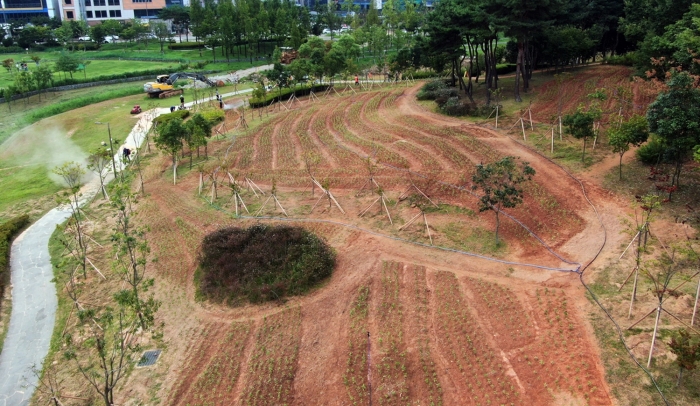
[(355, 376), (216, 384), (198, 357), (432, 391), (475, 365), (391, 363), (272, 365), (509, 320), (575, 370)]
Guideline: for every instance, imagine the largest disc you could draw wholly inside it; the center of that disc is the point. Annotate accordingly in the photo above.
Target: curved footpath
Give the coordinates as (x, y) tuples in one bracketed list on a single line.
[(34, 300)]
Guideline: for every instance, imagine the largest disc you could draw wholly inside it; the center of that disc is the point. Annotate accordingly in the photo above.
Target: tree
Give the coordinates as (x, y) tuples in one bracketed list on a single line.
[(170, 138), (499, 184), (67, 63), (8, 64), (634, 131), (580, 125), (23, 83), (180, 17), (687, 352), (161, 31), (64, 34), (98, 34), (675, 117), (72, 174), (131, 252), (100, 161)]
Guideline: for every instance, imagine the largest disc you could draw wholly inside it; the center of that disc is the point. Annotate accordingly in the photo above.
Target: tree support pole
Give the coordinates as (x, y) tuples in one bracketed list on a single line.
[(653, 337)]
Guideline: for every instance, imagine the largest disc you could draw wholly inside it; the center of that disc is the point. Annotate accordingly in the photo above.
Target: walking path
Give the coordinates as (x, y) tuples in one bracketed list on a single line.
[(34, 299)]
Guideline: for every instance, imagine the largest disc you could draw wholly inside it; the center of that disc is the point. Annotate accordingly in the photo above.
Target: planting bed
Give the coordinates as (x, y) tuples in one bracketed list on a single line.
[(396, 322)]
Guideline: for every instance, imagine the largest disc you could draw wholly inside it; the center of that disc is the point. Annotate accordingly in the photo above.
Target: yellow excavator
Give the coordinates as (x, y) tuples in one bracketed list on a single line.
[(163, 86)]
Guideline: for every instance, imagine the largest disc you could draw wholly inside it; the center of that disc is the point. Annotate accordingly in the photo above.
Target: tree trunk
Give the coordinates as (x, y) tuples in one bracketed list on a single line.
[(620, 166), (519, 71), (680, 375), (583, 156), (498, 225)]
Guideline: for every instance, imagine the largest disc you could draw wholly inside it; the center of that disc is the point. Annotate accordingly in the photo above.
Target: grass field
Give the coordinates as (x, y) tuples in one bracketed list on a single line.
[(27, 156)]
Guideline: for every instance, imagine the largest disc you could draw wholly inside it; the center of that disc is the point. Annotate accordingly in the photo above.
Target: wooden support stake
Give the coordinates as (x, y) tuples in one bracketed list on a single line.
[(410, 221), (496, 116), (559, 128), (368, 207), (529, 111), (522, 124), (280, 205), (427, 227), (387, 210), (262, 207), (653, 336), (95, 268), (695, 307), (552, 149), (242, 203)]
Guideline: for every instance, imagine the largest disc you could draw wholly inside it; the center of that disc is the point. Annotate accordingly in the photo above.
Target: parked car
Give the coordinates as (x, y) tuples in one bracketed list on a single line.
[(111, 38), (84, 38)]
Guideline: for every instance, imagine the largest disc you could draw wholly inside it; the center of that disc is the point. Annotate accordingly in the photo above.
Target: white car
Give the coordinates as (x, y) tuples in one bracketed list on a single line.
[(111, 38), (84, 38)]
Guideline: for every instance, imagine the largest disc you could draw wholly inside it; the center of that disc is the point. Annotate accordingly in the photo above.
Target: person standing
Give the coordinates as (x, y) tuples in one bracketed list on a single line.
[(182, 101)]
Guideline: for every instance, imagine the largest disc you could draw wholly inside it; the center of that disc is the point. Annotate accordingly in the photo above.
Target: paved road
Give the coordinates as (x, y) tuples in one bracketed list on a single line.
[(34, 299), (33, 310)]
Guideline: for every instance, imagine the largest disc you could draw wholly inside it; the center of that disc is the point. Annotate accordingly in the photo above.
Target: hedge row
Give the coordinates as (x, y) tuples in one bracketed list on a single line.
[(505, 68), (8, 230), (186, 45), (164, 118), (275, 95)]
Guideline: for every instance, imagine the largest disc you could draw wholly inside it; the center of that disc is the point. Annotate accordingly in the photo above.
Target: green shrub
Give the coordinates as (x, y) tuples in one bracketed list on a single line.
[(164, 118), (505, 68), (87, 46), (8, 230), (422, 74), (261, 263), (179, 46), (430, 90), (627, 59), (651, 152), (275, 95), (214, 116)]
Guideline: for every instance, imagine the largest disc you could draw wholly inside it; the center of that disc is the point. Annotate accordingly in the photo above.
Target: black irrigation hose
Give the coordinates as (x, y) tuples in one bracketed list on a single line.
[(583, 268)]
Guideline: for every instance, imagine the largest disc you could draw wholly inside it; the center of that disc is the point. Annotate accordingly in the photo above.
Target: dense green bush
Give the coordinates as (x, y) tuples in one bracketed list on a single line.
[(422, 74), (164, 118), (8, 230), (214, 116), (87, 46), (651, 152), (505, 68), (179, 46), (261, 263), (627, 59), (430, 90)]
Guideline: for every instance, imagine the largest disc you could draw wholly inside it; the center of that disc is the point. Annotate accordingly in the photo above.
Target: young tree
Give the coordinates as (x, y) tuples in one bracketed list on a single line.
[(687, 352), (98, 34), (43, 76), (67, 63), (170, 138), (131, 252), (499, 183), (580, 125), (100, 161), (675, 117), (23, 83), (634, 131), (8, 64), (73, 174)]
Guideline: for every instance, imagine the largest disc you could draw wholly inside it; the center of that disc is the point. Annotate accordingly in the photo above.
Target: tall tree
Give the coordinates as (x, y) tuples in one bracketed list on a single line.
[(633, 132), (171, 135), (675, 117)]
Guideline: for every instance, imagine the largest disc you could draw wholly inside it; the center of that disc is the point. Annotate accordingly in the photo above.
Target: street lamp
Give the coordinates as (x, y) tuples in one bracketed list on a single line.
[(111, 147)]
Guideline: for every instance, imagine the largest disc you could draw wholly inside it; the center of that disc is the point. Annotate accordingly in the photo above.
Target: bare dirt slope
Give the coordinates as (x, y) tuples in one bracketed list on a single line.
[(417, 324)]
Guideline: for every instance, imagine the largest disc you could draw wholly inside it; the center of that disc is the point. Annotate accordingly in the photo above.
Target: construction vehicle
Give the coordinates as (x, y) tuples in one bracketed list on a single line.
[(163, 86)]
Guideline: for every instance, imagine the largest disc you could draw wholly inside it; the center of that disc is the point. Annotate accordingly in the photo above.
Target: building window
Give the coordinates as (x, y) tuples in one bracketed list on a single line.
[(87, 3), (100, 13), (113, 2), (69, 15), (115, 13), (142, 1), (69, 1), (88, 14), (99, 2)]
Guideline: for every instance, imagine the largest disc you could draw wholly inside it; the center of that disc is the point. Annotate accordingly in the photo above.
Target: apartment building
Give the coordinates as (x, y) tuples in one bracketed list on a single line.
[(25, 10)]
